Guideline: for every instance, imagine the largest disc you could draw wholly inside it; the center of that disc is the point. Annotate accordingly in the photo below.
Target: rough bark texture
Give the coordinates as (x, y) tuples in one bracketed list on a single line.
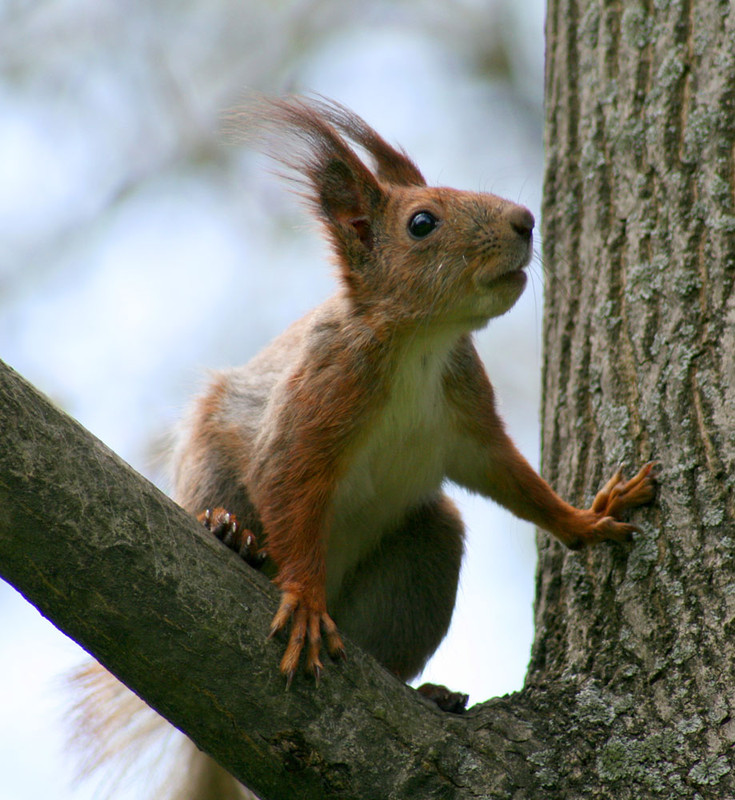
[(631, 688), (639, 240)]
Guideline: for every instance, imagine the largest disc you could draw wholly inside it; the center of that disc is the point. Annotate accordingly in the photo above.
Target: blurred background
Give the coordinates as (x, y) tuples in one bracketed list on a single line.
[(139, 248)]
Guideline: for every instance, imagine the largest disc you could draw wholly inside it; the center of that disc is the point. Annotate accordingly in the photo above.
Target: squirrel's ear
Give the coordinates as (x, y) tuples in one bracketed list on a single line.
[(349, 200), (392, 166), (346, 196)]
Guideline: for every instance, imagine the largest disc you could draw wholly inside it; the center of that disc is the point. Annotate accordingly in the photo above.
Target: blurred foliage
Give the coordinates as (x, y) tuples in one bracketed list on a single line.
[(97, 97)]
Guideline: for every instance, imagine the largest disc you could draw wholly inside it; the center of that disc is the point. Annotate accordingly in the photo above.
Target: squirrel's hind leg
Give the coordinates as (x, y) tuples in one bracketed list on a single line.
[(397, 603)]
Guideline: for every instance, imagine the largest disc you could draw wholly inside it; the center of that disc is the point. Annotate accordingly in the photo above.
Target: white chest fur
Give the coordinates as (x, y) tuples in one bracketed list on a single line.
[(402, 460)]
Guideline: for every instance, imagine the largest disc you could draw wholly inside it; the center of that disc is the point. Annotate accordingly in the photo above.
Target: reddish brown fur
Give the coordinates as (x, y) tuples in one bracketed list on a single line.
[(362, 409)]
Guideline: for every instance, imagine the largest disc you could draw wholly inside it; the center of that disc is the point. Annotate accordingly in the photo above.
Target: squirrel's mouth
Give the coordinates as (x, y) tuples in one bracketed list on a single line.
[(508, 271), (514, 278)]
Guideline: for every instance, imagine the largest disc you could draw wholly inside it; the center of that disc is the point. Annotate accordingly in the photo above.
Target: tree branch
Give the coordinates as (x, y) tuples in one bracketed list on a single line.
[(182, 620)]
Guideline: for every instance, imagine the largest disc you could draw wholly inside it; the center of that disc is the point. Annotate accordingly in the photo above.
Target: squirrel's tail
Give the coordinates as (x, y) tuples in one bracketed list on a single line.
[(122, 741)]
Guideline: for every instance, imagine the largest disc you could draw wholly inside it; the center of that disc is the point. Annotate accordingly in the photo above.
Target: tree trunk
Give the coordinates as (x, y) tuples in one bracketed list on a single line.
[(631, 688), (639, 243)]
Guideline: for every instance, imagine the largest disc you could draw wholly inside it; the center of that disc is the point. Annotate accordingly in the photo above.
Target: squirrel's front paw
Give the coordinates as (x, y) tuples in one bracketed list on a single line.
[(308, 618), (618, 495), (226, 528), (601, 522)]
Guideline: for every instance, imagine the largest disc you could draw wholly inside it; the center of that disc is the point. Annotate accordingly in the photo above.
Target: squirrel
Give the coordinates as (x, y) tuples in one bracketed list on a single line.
[(322, 460), (330, 448)]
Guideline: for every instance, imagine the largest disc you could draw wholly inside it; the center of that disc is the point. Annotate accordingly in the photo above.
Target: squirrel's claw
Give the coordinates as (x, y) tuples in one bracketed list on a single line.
[(335, 647), (618, 495), (227, 529), (601, 522), (307, 621)]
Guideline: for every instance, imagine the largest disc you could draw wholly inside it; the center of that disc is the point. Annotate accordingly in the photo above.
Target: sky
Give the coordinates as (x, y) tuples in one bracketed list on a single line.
[(140, 248)]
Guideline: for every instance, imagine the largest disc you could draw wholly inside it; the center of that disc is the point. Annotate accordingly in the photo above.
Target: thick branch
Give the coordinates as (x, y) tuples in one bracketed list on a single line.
[(174, 614)]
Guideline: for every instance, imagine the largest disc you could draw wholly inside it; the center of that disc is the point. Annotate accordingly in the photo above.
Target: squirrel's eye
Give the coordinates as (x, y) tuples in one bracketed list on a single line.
[(421, 224)]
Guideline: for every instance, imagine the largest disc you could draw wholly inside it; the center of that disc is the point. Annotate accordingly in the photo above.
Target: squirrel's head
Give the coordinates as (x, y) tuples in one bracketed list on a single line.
[(416, 252)]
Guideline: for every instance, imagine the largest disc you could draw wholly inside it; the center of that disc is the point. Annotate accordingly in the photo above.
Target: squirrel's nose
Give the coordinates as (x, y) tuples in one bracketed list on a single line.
[(522, 221)]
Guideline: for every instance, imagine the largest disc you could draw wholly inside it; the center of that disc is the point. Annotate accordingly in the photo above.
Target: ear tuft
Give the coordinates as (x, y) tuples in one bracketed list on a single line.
[(345, 194), (392, 166)]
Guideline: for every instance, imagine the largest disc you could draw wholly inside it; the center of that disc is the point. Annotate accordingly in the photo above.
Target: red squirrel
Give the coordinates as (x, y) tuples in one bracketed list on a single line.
[(323, 459), (326, 454)]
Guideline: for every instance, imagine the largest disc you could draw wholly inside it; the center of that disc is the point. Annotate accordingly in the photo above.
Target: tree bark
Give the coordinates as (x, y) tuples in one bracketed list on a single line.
[(639, 241), (631, 687)]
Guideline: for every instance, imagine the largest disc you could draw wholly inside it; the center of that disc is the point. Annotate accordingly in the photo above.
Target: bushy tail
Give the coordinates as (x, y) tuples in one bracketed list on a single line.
[(121, 741)]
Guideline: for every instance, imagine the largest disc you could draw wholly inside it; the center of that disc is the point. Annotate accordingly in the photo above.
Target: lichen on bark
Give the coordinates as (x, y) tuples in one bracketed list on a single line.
[(639, 194)]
